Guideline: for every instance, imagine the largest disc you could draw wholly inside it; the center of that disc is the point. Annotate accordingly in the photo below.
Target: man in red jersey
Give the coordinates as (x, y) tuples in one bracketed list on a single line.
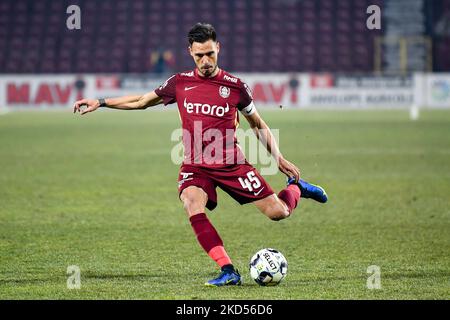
[(209, 99)]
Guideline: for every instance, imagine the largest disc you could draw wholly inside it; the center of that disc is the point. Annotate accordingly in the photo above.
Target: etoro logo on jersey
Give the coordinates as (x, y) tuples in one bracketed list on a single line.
[(205, 108)]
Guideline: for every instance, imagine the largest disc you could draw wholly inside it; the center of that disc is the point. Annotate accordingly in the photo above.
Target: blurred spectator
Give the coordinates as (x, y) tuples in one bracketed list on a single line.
[(79, 86), (293, 85), (442, 27), (162, 62)]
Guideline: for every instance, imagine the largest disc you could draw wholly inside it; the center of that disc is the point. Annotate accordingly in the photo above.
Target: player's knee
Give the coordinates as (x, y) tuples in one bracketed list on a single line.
[(278, 213), (193, 200), (190, 203), (279, 216), (273, 208)]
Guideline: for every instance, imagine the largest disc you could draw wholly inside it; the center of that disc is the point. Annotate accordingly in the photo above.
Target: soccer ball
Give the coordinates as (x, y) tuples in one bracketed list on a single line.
[(268, 267)]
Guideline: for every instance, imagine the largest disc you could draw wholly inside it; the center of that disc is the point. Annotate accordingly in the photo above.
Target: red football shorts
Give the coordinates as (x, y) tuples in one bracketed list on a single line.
[(241, 181)]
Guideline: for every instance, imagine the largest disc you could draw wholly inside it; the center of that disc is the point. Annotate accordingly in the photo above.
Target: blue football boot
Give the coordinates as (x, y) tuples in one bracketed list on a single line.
[(225, 278), (310, 191)]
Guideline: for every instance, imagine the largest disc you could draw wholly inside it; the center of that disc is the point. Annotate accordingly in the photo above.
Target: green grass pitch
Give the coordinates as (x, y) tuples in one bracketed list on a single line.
[(100, 192)]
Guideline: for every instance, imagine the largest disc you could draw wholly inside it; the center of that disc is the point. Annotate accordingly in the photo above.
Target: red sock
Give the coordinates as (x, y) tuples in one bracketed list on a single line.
[(290, 195), (209, 239)]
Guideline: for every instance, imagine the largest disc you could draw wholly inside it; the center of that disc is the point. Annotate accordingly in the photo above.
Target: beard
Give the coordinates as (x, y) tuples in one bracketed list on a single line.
[(208, 70)]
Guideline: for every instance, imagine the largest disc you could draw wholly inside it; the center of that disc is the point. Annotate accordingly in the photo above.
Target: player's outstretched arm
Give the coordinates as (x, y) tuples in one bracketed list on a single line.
[(262, 131), (149, 99)]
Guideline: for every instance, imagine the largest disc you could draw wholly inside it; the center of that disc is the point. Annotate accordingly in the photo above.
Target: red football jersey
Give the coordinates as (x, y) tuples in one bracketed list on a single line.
[(208, 111)]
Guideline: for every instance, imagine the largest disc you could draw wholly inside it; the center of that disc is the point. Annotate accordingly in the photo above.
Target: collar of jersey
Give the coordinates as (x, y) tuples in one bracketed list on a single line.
[(207, 78)]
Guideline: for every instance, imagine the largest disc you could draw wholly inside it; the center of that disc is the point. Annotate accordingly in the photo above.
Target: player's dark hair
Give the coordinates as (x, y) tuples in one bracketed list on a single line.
[(201, 32)]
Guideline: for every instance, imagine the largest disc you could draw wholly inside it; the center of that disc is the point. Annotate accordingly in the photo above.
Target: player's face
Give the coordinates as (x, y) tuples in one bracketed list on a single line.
[(205, 57)]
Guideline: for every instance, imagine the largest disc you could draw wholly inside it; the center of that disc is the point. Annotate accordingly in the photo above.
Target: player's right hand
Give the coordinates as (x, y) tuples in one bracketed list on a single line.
[(288, 168), (90, 104)]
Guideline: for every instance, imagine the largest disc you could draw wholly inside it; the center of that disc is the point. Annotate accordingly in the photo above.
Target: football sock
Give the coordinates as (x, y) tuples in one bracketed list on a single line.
[(290, 195), (228, 268), (209, 239)]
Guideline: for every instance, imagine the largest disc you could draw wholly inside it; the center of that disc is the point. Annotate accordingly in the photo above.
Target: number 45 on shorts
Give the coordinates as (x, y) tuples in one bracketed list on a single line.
[(251, 182)]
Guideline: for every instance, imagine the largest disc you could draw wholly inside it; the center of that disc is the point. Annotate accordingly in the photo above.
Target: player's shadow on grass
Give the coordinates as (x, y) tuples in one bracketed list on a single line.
[(5, 282), (90, 276), (390, 276), (118, 276), (246, 283)]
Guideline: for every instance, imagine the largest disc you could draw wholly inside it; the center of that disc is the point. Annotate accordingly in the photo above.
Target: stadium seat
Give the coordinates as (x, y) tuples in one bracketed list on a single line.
[(304, 26)]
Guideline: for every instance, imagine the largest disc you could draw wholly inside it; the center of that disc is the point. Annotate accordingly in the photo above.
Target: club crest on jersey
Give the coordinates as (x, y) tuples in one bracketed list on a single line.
[(224, 92)]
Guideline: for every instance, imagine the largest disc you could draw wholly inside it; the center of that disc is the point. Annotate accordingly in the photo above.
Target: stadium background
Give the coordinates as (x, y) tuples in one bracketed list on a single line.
[(100, 192)]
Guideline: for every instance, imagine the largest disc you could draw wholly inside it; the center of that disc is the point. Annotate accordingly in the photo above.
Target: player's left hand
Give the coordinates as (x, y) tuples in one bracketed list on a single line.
[(288, 168)]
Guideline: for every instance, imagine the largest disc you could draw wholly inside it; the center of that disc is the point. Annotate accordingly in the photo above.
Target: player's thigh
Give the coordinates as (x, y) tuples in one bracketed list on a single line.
[(194, 200), (197, 188), (272, 207)]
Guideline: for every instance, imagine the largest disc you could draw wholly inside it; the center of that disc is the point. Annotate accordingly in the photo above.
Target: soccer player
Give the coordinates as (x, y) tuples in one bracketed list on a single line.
[(209, 99)]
